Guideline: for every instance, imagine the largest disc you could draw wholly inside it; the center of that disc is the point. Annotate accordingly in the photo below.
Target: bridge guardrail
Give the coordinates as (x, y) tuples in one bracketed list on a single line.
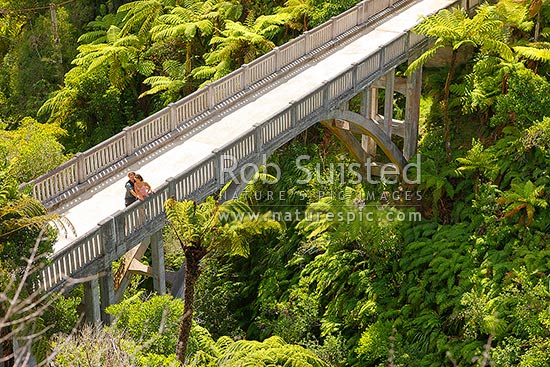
[(83, 166)]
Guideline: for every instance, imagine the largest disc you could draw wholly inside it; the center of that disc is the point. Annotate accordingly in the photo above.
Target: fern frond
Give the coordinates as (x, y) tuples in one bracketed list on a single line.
[(422, 59), (531, 53)]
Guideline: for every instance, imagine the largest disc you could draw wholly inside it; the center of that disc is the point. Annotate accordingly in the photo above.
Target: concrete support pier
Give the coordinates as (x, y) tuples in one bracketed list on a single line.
[(157, 255), (91, 301), (106, 294)]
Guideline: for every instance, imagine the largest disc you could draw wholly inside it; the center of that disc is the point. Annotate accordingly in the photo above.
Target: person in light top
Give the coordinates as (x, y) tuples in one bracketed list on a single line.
[(142, 188)]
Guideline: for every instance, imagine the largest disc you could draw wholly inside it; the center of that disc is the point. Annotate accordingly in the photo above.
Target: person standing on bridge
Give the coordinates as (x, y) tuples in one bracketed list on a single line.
[(141, 188), (131, 195)]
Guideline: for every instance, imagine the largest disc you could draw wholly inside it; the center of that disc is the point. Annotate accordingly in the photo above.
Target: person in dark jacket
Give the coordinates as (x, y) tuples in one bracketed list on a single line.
[(131, 195)]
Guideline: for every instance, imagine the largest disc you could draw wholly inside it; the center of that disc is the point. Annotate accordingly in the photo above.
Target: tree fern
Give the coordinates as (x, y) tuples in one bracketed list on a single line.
[(120, 56), (187, 23), (516, 13), (236, 45), (205, 227), (523, 198), (141, 15), (272, 351), (28, 213), (172, 83), (99, 28)]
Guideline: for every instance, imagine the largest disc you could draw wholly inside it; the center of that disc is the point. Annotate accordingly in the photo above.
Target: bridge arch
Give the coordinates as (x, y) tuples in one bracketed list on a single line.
[(354, 122), (343, 124)]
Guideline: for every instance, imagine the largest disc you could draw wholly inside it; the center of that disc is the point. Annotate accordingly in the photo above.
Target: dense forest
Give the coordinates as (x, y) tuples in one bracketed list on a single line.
[(467, 285)]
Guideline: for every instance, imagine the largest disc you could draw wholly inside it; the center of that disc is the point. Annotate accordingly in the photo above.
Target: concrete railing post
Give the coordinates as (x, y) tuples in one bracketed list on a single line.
[(354, 78), (210, 95), (277, 61), (245, 77), (108, 239), (326, 94), (106, 282), (80, 168), (171, 187), (173, 116), (128, 140), (218, 167), (359, 17), (293, 116), (258, 143)]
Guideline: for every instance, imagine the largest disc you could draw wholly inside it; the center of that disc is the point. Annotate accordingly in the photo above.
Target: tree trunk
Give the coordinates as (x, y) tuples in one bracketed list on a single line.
[(188, 55), (537, 28), (193, 256), (446, 96)]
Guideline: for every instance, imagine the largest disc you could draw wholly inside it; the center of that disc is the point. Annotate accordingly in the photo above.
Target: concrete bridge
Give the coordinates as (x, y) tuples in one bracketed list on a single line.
[(182, 150)]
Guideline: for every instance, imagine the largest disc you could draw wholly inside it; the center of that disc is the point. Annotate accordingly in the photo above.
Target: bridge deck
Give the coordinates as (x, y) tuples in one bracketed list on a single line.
[(88, 209)]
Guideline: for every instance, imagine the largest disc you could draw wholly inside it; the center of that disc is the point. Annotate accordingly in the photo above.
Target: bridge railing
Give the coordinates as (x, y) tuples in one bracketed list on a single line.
[(70, 260), (187, 112), (115, 235)]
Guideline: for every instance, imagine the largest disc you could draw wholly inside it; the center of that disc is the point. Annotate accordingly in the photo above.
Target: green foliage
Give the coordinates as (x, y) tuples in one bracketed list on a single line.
[(156, 360), (525, 102), (486, 81), (33, 62), (27, 233), (295, 319), (184, 23), (154, 320), (93, 346), (371, 347), (22, 221), (91, 116), (97, 29), (478, 163), (436, 183), (60, 317), (523, 197), (359, 292), (31, 67), (219, 293), (332, 351), (537, 136), (120, 55), (155, 50), (212, 225), (476, 160), (32, 149), (328, 9), (454, 28), (236, 45), (271, 352), (207, 227), (140, 16)]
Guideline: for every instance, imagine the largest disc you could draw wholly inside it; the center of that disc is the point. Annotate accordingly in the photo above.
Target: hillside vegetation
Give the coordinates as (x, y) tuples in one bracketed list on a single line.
[(451, 271)]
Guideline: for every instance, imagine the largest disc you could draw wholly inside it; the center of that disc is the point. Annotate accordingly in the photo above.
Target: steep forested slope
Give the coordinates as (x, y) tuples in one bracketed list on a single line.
[(353, 278)]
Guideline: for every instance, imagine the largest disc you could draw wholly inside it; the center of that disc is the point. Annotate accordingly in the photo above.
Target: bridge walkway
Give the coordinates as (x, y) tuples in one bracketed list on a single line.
[(106, 198)]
